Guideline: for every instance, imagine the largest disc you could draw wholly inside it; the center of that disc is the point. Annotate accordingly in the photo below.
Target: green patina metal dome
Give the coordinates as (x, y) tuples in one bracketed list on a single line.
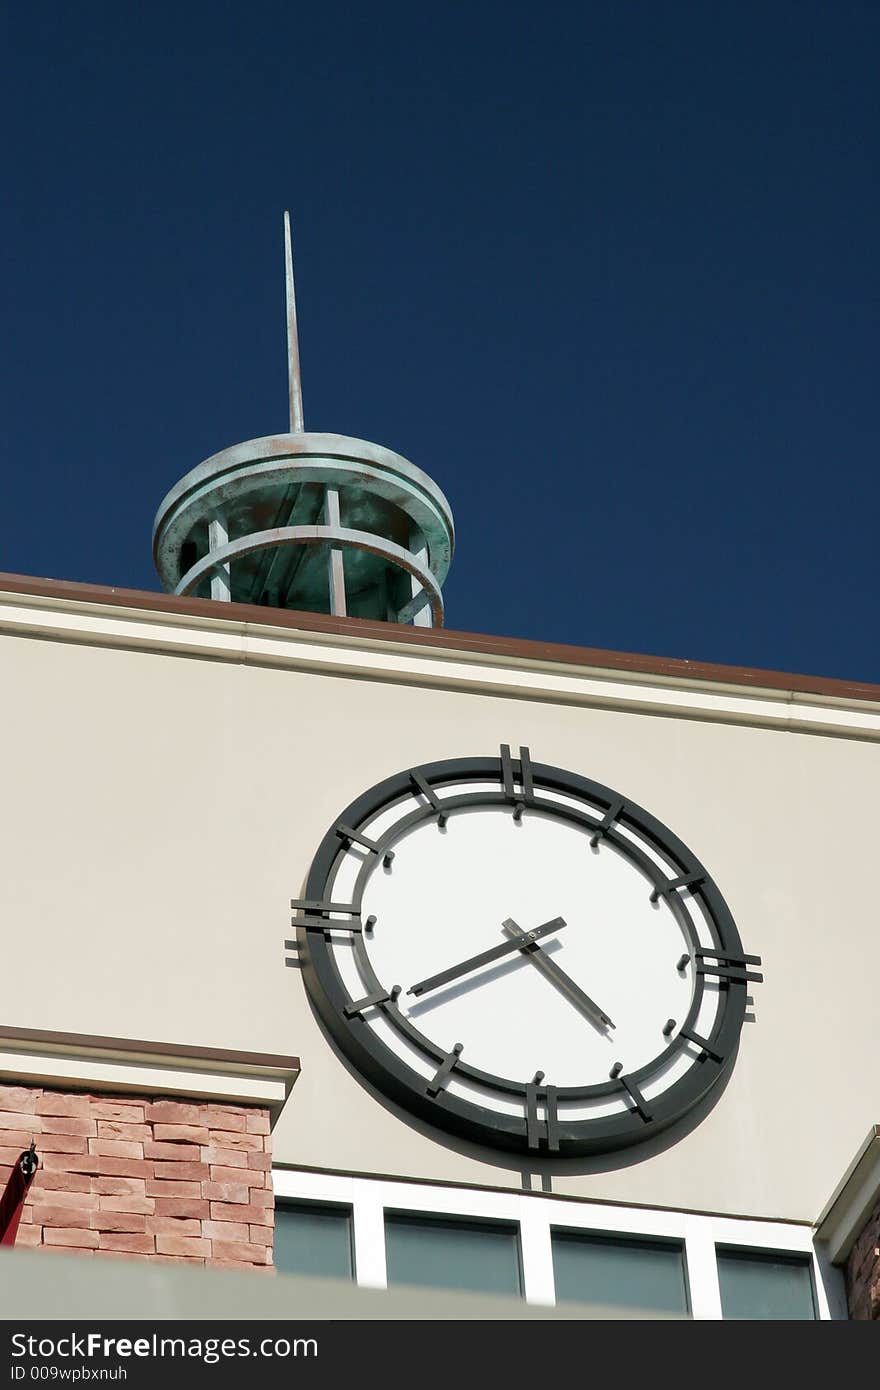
[(315, 522)]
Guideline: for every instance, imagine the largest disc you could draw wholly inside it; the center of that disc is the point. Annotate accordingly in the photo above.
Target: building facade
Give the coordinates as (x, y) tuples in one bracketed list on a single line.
[(172, 768)]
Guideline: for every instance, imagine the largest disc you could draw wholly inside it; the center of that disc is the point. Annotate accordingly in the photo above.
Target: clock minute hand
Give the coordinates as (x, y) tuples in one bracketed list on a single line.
[(522, 943), (555, 973)]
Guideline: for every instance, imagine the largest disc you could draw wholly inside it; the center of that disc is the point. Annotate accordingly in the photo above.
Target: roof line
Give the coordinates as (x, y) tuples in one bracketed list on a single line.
[(672, 668)]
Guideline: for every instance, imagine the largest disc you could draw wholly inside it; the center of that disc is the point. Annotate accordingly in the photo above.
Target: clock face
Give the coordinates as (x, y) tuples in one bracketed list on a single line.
[(522, 956)]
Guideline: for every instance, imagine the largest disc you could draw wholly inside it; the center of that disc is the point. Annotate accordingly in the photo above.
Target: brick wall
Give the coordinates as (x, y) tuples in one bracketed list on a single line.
[(863, 1271), (143, 1178)]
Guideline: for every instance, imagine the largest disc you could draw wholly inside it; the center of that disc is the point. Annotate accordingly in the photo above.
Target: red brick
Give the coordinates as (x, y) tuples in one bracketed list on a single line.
[(179, 1260), (116, 1148), (226, 1230), (182, 1245), (143, 1206), (258, 1124), (174, 1226), (248, 1143), (18, 1098), (182, 1206), (79, 1239), (54, 1103), (172, 1112), (189, 1153), (171, 1187), (233, 1211), (261, 1235), (230, 1158), (225, 1117), (226, 1191), (239, 1250), (119, 1187), (62, 1143), (194, 1134), (261, 1198), (129, 1112), (124, 1167), (67, 1124), (15, 1120), (118, 1221), (29, 1236), (115, 1129), (195, 1171), (261, 1162), (18, 1138), (127, 1240), (9, 1154), (242, 1177), (64, 1216), (61, 1182), (72, 1163), (83, 1201)]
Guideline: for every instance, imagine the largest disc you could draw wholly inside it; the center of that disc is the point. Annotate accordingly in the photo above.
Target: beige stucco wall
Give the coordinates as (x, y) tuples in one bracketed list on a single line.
[(158, 812)]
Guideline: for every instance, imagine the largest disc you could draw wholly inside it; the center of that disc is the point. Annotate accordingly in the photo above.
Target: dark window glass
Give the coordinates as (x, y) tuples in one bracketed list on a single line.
[(449, 1254), (313, 1239), (765, 1285), (642, 1275)]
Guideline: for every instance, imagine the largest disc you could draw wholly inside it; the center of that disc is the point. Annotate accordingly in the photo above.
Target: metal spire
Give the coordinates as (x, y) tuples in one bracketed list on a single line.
[(293, 373)]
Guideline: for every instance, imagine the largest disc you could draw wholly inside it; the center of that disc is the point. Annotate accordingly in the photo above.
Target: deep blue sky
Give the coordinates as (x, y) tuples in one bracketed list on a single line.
[(607, 270)]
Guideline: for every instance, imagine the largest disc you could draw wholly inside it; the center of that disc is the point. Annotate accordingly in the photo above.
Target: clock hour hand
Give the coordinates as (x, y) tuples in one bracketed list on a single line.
[(554, 972), (507, 948)]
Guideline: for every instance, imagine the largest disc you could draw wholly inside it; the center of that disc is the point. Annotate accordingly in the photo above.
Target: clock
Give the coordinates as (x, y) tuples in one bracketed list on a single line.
[(522, 957)]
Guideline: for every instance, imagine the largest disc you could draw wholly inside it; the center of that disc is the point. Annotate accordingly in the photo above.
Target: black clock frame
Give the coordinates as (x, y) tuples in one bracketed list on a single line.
[(520, 782)]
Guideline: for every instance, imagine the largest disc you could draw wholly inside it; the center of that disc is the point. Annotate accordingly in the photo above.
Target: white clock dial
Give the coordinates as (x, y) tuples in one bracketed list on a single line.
[(424, 898)]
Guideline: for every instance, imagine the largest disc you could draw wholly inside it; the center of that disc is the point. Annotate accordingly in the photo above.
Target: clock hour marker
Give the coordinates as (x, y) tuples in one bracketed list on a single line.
[(380, 996), (683, 961), (637, 1098), (350, 836), (616, 1070), (506, 948), (701, 1043), (607, 821), (527, 794), (686, 881), (317, 912), (445, 1070), (728, 967), (551, 1118), (668, 1027), (555, 973), (430, 796)]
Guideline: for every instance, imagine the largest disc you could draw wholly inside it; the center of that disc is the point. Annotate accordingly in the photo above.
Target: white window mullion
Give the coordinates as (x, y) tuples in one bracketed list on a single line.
[(539, 1285), (368, 1222), (702, 1269)]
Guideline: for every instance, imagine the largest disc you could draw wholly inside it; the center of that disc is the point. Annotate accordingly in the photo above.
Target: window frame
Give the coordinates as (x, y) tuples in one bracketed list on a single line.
[(343, 1209), (538, 1214), (449, 1219), (793, 1257)]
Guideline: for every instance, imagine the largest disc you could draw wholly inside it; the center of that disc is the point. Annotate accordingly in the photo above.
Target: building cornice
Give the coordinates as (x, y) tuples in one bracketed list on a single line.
[(441, 658), (35, 1056), (855, 1197)]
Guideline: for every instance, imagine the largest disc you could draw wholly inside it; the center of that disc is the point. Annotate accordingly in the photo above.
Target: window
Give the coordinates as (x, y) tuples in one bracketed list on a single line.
[(641, 1275), (313, 1239), (548, 1249), (474, 1255), (766, 1284)]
